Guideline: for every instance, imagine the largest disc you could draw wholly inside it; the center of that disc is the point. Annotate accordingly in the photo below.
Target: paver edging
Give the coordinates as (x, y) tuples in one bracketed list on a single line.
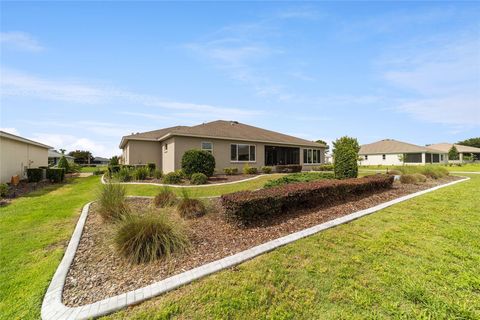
[(54, 309)]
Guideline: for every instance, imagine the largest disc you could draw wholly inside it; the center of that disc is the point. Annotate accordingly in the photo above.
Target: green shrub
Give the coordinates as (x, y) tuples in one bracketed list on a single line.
[(151, 167), (394, 172), (247, 206), (413, 178), (98, 172), (172, 178), (198, 178), (74, 167), (63, 164), (151, 237), (112, 202), (3, 189), (114, 161), (230, 171), (140, 173), (112, 169), (323, 167), (124, 174), (190, 208), (453, 153), (165, 198), (157, 174), (288, 168), (34, 174), (420, 177), (198, 161), (55, 174), (299, 177), (249, 170), (431, 171), (345, 153), (266, 170)]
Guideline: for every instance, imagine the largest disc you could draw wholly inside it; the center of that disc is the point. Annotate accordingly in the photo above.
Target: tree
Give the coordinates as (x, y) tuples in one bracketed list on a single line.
[(453, 153), (327, 147), (345, 155), (472, 142), (81, 156), (114, 161), (63, 163), (62, 151)]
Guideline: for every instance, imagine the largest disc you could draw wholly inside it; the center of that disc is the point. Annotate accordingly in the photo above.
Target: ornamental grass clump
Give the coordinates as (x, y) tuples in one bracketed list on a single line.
[(165, 198), (414, 178), (198, 178), (112, 202), (190, 208), (141, 173), (146, 238)]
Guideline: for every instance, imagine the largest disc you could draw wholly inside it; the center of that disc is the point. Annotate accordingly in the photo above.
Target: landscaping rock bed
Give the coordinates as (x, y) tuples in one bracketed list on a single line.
[(98, 272)]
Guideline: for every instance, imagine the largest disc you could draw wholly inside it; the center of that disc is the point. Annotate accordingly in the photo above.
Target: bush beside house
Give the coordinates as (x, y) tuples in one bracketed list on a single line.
[(345, 153)]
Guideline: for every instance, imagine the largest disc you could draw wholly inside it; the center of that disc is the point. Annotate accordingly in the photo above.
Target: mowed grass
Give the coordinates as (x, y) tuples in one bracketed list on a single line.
[(145, 190), (93, 169), (34, 232), (416, 260)]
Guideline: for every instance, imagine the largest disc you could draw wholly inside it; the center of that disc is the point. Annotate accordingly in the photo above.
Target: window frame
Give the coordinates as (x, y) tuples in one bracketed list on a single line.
[(310, 156), (365, 157), (208, 150), (384, 157), (249, 153)]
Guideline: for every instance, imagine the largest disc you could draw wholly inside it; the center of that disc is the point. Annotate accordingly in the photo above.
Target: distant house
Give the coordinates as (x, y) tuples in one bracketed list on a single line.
[(54, 156), (462, 150), (18, 153), (393, 152), (101, 161), (233, 144)]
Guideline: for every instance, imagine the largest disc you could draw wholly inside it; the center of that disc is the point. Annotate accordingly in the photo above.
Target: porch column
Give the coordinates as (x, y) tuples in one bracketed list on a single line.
[(423, 158), (461, 157)]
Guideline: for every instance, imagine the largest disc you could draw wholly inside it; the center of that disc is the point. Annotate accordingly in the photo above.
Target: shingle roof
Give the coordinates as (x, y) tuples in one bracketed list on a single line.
[(393, 146), (222, 129), (445, 147)]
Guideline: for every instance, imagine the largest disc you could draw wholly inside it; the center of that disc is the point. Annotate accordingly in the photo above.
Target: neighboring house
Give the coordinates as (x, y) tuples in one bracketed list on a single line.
[(100, 160), (54, 156), (17, 154), (462, 150), (233, 144), (393, 152)]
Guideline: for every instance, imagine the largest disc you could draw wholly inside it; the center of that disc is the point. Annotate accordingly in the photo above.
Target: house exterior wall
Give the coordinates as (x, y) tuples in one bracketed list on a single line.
[(168, 148), (142, 152), (15, 156), (393, 159)]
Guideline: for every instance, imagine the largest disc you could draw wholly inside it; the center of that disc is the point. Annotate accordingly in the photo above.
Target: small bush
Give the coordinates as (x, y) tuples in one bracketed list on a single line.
[(266, 170), (124, 174), (73, 167), (98, 172), (34, 174), (246, 206), (165, 198), (299, 177), (3, 189), (114, 161), (190, 208), (172, 178), (151, 167), (230, 171), (55, 174), (112, 202), (113, 169), (413, 178), (394, 172), (198, 178), (140, 173), (157, 174), (323, 167), (288, 168), (198, 161), (151, 237), (420, 177), (249, 170)]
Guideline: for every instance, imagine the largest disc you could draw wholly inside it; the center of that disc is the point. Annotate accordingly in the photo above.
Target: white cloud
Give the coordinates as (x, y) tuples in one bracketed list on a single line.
[(19, 84), (20, 40), (11, 130)]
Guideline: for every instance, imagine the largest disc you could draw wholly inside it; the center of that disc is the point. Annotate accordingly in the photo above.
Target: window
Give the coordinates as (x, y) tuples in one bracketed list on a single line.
[(207, 146), (166, 147), (366, 157), (312, 156), (242, 152), (384, 157)]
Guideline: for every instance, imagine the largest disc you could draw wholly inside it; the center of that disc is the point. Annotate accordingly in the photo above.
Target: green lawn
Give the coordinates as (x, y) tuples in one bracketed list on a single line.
[(93, 169), (468, 167), (145, 190), (416, 260), (419, 259)]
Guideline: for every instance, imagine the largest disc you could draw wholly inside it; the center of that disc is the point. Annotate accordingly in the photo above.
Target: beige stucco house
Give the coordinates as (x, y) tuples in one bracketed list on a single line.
[(17, 154), (233, 144), (462, 150), (392, 152)]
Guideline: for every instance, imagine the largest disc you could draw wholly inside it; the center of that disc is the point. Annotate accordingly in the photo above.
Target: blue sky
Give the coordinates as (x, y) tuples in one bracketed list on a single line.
[(81, 75)]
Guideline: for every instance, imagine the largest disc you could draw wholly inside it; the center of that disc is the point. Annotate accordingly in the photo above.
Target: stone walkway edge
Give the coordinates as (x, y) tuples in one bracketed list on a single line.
[(54, 309)]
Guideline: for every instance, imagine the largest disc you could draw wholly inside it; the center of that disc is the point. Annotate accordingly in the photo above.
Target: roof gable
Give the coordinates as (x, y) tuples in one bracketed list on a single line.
[(393, 146)]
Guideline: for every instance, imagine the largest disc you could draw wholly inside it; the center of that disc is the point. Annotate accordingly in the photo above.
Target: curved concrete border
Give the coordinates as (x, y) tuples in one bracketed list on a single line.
[(54, 309), (186, 186)]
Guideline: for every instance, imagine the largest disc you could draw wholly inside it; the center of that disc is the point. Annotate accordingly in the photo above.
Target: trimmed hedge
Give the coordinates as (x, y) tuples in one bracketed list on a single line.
[(245, 207), (288, 168), (266, 169), (194, 161), (323, 167), (34, 174), (55, 174)]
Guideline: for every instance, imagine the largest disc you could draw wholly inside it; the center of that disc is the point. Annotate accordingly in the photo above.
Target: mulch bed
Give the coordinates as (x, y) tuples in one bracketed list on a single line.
[(98, 272), (23, 188)]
